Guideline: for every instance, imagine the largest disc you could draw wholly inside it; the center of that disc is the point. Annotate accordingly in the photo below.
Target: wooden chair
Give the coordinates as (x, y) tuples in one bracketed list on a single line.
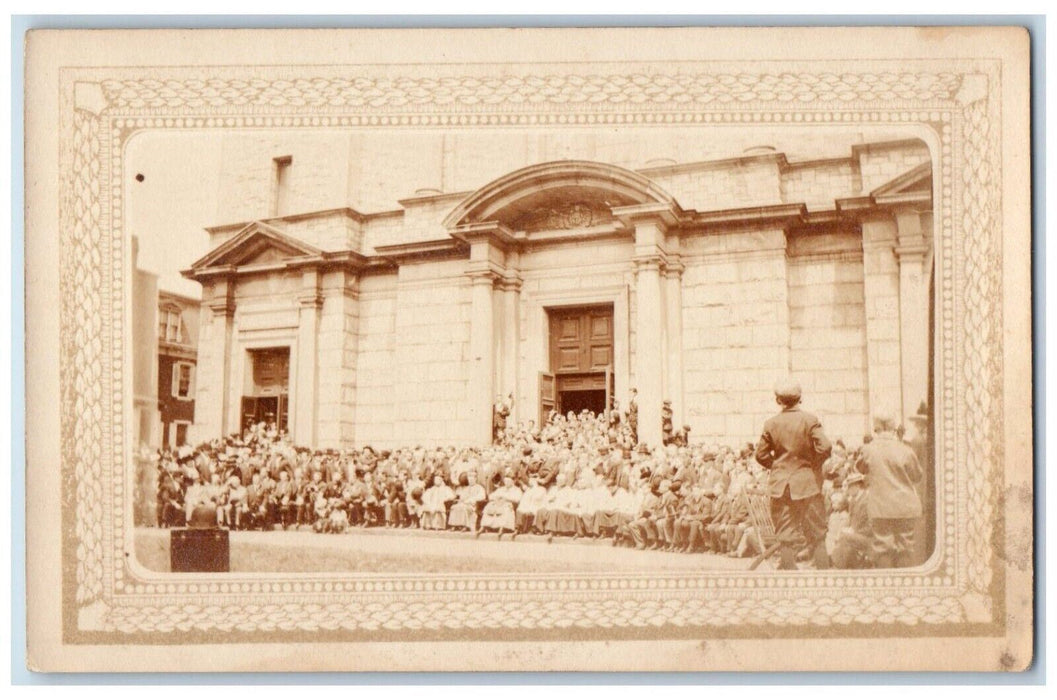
[(758, 502)]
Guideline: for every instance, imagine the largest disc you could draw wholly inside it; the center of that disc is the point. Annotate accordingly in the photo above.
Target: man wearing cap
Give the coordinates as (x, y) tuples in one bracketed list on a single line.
[(793, 447), (892, 472)]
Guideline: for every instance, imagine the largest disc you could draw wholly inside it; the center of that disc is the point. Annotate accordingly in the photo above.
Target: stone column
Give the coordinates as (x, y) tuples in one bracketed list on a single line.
[(480, 394), (913, 311), (510, 295), (881, 297), (213, 413), (489, 245), (651, 223), (673, 280), (304, 404), (650, 326), (649, 364)]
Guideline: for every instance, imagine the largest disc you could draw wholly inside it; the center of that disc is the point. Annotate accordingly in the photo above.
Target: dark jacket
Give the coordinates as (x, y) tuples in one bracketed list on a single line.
[(793, 447)]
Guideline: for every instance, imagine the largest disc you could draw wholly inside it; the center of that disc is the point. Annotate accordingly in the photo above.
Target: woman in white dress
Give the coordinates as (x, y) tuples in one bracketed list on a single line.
[(434, 511), (499, 513), (470, 495)]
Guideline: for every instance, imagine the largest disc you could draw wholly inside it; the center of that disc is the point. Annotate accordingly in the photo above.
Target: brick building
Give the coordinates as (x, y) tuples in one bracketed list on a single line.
[(177, 356), (563, 280)]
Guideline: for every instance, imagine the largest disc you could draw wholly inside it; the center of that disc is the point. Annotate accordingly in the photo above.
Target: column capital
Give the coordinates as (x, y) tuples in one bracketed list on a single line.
[(652, 262), (222, 298), (483, 276), (509, 282), (309, 299), (485, 271), (911, 252), (674, 269)]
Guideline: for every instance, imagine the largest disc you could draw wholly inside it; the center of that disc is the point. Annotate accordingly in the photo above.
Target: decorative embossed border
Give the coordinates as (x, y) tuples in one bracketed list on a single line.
[(107, 598)]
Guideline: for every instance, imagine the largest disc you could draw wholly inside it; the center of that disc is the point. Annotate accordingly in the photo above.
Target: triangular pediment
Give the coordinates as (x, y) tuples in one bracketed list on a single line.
[(257, 243), (914, 182)]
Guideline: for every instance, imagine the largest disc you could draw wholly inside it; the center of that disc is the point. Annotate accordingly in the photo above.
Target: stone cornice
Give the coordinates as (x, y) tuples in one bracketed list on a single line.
[(489, 231), (666, 214), (863, 207), (778, 214)]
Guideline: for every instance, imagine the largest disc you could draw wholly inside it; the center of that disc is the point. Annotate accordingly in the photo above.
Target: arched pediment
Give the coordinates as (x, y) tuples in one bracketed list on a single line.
[(556, 195)]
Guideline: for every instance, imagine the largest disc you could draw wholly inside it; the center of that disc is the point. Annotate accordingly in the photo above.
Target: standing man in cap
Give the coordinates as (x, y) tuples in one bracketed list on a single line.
[(793, 447), (892, 501), (633, 415)]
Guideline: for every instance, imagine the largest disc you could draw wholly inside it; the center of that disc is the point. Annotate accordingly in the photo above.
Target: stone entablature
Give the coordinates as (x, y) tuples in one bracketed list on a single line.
[(404, 325)]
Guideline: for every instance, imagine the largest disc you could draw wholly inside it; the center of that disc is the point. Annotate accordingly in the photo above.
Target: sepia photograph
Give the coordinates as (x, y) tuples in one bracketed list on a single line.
[(422, 341), (712, 350)]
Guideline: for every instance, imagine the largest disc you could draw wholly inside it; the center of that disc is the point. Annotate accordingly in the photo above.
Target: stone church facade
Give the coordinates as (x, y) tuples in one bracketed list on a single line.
[(566, 282)]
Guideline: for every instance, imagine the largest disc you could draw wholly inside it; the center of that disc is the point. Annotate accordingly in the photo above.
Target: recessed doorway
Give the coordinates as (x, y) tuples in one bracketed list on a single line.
[(593, 401), (580, 375), (266, 397)]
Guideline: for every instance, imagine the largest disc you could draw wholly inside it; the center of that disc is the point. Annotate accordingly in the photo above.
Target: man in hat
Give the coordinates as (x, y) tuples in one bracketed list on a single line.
[(893, 505), (643, 529), (500, 413), (633, 414), (793, 447), (667, 426), (170, 496)]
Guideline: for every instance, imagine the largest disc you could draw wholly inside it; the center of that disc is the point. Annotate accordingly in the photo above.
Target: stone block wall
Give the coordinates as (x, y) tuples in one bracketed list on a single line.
[(375, 371), (818, 184), (880, 164), (735, 332), (735, 185), (827, 340), (333, 231), (316, 179), (432, 333)]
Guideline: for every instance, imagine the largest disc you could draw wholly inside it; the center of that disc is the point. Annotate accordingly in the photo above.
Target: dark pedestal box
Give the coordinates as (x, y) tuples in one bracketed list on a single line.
[(199, 549)]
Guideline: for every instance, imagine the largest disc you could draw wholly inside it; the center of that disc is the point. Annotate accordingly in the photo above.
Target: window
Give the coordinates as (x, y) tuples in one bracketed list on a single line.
[(170, 326), (183, 380)]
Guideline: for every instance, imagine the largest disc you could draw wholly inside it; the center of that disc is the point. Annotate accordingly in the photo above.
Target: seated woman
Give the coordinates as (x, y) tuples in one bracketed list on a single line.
[(499, 513), (434, 512), (469, 495), (564, 512)]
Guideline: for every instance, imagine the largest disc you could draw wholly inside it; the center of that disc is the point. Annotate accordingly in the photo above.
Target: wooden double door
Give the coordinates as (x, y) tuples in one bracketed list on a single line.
[(581, 361)]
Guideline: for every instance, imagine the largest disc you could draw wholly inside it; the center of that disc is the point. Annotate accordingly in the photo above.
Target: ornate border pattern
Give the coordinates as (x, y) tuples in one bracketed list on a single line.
[(107, 600), (532, 91)]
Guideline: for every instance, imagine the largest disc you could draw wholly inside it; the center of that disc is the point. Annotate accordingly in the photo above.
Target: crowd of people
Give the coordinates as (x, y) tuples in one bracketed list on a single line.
[(577, 476)]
